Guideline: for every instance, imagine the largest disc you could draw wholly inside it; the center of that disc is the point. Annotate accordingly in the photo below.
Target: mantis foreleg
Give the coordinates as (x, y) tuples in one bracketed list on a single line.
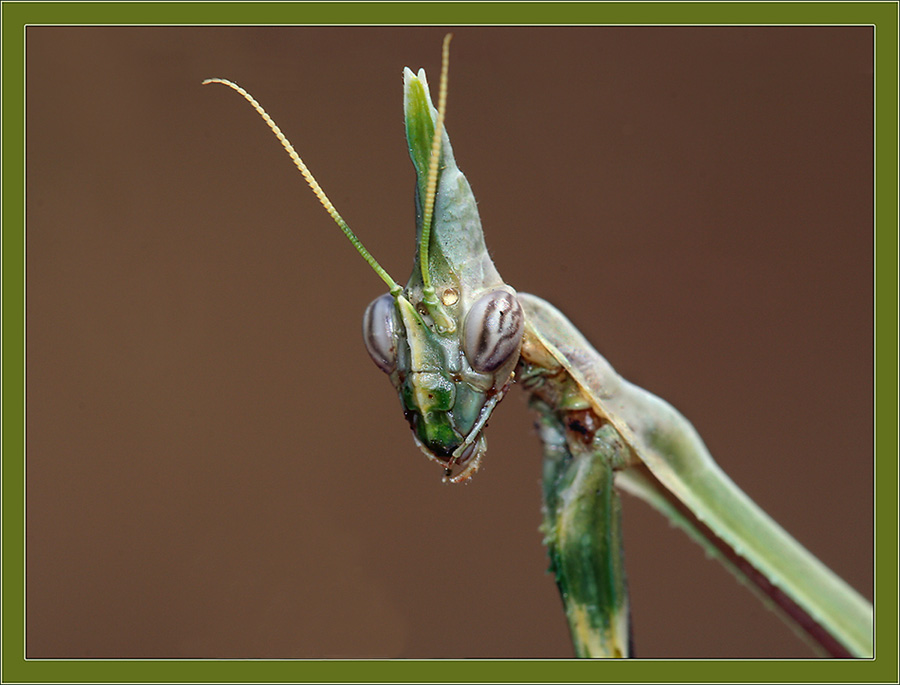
[(583, 534)]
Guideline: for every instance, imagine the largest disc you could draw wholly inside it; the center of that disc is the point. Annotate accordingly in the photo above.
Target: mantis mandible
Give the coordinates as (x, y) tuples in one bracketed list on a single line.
[(454, 339)]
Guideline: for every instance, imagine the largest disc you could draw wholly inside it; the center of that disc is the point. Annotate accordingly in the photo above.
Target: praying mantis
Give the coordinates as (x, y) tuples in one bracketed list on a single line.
[(455, 339)]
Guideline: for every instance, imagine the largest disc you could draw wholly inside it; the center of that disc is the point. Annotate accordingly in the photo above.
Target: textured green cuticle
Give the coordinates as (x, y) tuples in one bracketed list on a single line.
[(435, 430), (419, 131), (582, 527)]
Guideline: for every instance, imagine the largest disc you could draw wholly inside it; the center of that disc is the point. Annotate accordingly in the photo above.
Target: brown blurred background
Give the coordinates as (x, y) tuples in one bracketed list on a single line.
[(215, 466)]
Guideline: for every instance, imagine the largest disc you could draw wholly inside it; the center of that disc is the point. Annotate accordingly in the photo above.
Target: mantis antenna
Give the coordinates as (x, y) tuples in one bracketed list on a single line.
[(313, 184), (431, 187)]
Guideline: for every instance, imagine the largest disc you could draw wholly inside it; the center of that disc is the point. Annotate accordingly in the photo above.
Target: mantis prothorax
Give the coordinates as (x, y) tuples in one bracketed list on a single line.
[(456, 336)]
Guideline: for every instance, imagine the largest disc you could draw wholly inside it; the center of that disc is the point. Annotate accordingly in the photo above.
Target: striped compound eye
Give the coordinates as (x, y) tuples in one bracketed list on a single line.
[(493, 330), (379, 333)]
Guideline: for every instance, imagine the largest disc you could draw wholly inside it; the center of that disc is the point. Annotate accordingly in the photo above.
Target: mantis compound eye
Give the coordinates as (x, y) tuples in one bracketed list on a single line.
[(379, 333), (493, 330)]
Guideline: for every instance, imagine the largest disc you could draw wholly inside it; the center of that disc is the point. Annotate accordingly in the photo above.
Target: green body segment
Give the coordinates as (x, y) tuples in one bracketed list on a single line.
[(426, 390), (420, 117), (583, 533)]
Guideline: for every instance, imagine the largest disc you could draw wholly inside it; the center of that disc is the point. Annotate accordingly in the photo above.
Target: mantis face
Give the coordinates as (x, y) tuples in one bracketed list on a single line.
[(448, 384), (450, 339)]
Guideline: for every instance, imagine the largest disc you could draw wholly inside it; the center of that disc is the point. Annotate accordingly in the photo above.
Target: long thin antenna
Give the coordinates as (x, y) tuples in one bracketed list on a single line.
[(313, 184), (431, 187)]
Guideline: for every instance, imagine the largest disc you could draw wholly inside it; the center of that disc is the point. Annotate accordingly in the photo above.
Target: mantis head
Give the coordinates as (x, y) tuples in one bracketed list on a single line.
[(449, 340)]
